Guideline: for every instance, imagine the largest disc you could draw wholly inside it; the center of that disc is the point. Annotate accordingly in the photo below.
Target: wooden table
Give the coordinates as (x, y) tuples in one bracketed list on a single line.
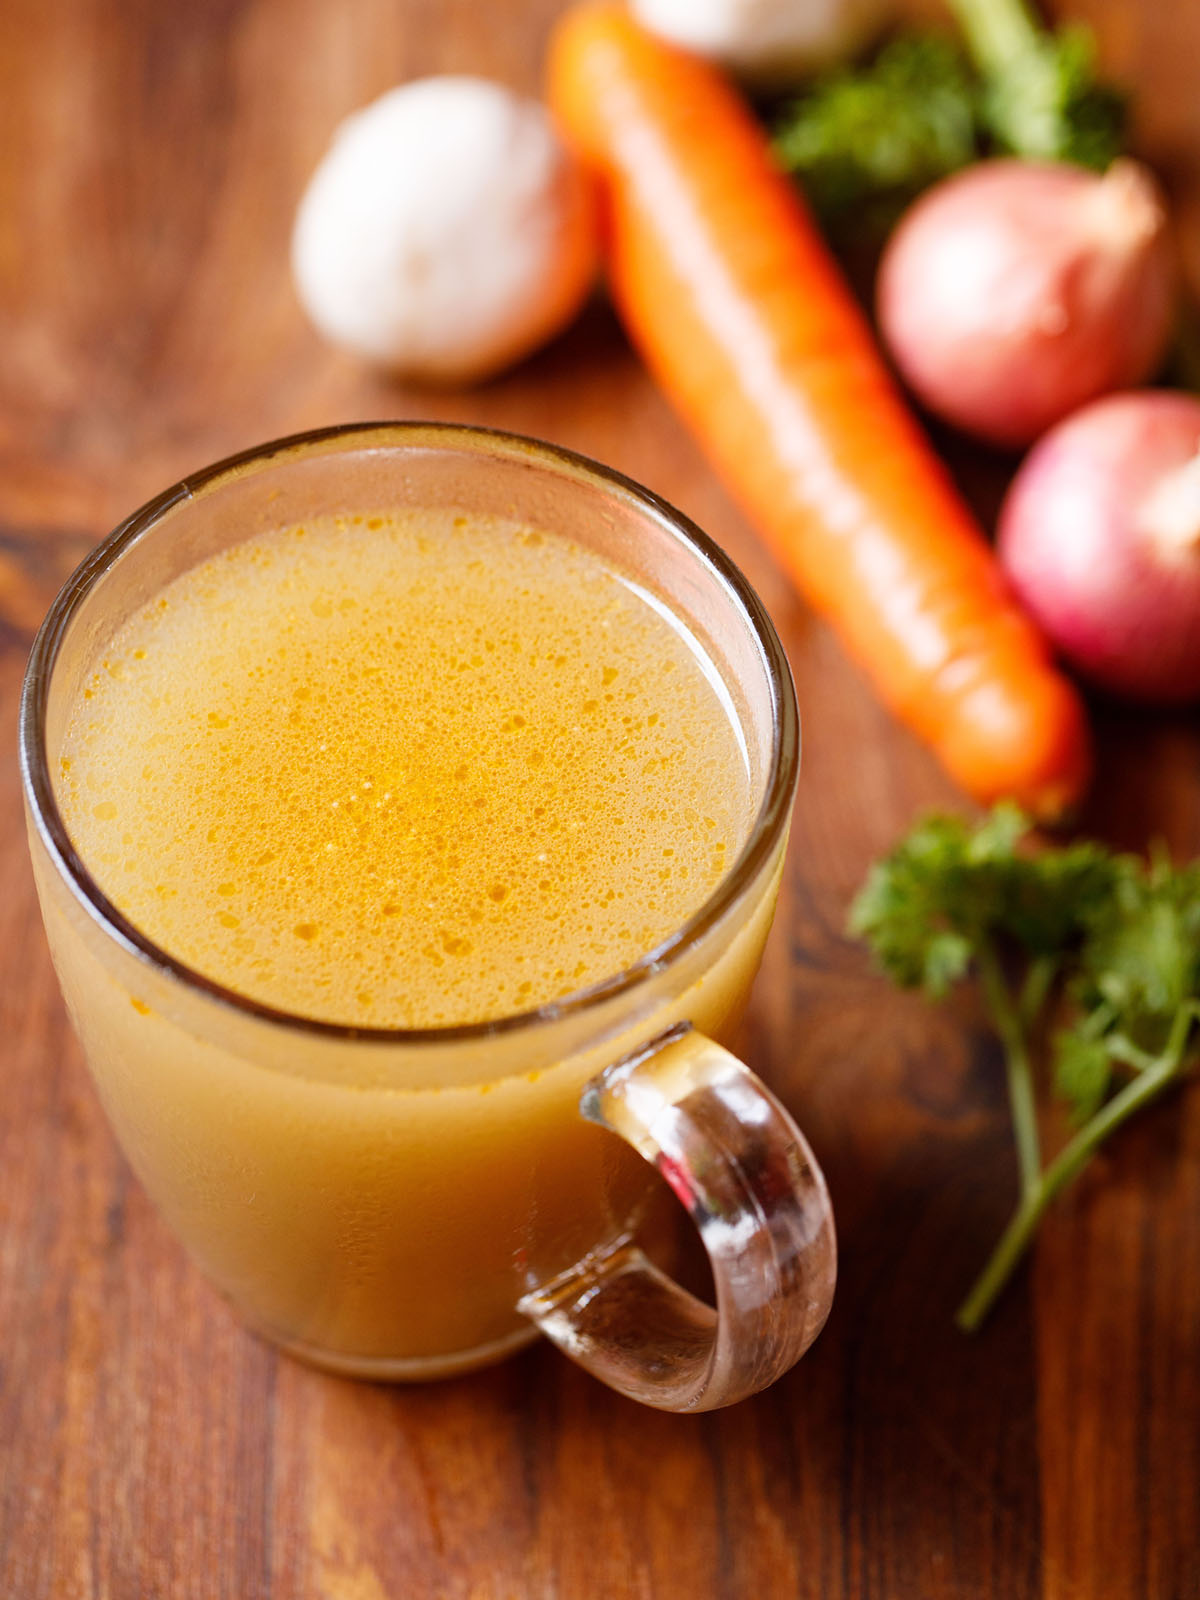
[(150, 160)]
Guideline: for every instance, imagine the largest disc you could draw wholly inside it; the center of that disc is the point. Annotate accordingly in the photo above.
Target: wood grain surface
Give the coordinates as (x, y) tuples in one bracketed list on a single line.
[(150, 159)]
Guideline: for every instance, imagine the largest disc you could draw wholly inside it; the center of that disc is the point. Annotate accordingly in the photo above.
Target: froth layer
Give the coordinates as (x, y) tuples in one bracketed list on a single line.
[(405, 770)]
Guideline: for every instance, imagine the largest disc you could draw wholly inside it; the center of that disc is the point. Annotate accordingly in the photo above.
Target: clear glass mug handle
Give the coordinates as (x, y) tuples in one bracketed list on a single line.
[(745, 1174)]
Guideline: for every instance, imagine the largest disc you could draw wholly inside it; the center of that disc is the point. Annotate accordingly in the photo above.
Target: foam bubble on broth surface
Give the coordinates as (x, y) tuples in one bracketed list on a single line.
[(405, 770)]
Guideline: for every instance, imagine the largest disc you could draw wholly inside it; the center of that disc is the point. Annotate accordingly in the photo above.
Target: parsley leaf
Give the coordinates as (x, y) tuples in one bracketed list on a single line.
[(1142, 955), (876, 135), (1083, 1072), (948, 886), (865, 139), (1109, 944)]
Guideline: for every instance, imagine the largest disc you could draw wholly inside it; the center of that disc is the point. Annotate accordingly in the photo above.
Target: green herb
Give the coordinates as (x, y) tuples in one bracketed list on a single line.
[(877, 135), (1104, 942), (1042, 98), (865, 139)]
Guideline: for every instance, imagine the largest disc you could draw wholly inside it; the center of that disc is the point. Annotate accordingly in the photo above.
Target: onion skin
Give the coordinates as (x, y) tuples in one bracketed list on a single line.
[(1016, 291), (767, 42), (1100, 537)]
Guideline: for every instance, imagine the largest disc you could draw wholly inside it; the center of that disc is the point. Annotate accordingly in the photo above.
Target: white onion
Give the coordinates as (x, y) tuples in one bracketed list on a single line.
[(1015, 292), (769, 41), (1100, 535), (446, 232)]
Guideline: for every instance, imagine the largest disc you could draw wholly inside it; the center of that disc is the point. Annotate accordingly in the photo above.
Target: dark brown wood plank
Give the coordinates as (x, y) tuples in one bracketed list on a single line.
[(150, 159)]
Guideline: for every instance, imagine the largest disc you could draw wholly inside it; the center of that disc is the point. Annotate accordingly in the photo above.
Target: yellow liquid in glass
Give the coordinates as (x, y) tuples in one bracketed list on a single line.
[(405, 771), (395, 770)]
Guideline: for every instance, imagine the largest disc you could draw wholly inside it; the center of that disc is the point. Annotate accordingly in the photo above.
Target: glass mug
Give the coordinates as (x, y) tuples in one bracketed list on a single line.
[(405, 1204)]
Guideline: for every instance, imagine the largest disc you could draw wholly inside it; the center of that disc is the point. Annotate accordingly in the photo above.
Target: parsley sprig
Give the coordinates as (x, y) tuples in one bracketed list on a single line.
[(864, 138), (1106, 945), (1042, 95)]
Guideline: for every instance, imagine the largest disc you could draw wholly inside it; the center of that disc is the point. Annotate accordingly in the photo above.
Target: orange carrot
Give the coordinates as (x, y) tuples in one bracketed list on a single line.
[(740, 312)]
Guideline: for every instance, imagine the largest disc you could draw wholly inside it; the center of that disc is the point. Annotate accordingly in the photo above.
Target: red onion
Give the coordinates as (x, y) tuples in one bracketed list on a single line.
[(1015, 291), (1100, 535)]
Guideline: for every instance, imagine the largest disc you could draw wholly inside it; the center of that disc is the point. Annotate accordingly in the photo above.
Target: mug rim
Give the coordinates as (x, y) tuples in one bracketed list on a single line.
[(769, 823)]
